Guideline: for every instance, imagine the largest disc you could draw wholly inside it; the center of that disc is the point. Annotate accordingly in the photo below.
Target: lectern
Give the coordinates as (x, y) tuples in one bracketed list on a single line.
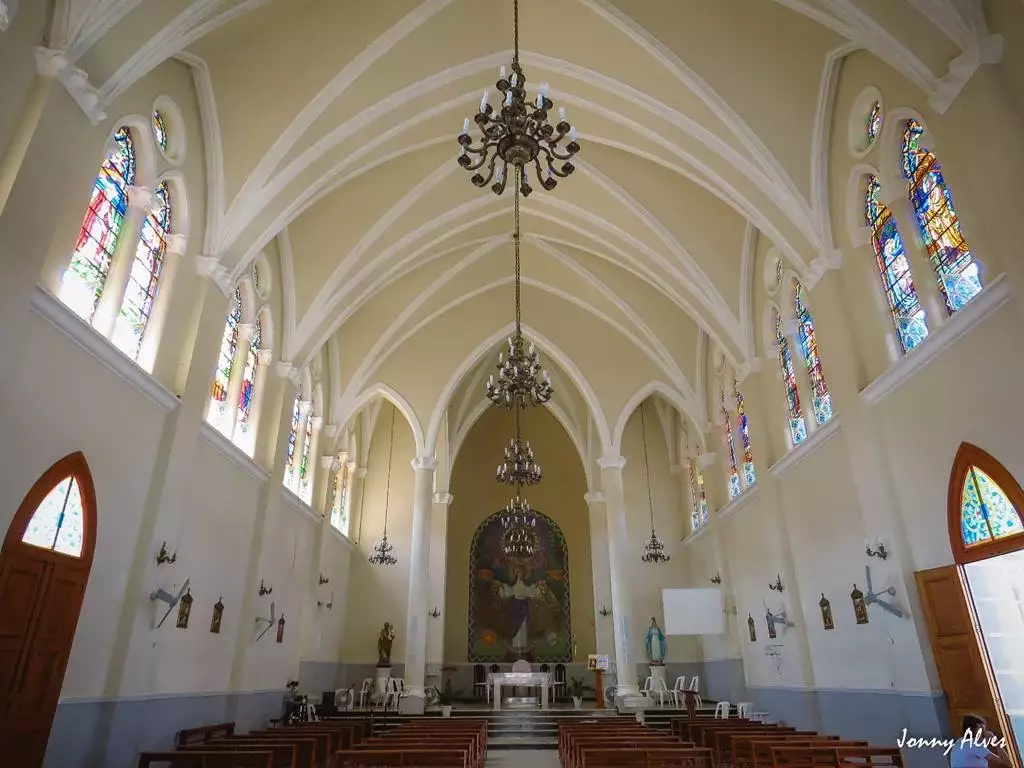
[(598, 664)]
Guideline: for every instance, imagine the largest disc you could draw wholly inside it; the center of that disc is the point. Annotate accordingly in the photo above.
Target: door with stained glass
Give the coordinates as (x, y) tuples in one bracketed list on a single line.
[(44, 568)]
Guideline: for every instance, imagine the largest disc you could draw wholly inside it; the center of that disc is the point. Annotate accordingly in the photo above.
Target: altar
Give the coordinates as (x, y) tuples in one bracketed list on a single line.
[(540, 680)]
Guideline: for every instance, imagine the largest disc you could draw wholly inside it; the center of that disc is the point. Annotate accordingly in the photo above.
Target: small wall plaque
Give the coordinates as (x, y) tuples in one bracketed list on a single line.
[(218, 614), (771, 624), (280, 629), (860, 608), (751, 628), (184, 610), (826, 612)]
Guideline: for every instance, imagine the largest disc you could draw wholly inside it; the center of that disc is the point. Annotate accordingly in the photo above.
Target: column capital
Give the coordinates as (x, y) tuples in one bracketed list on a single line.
[(705, 460), (264, 356), (342, 455), (305, 406), (747, 367), (210, 266), (330, 463), (424, 463), (443, 498), (360, 472), (331, 430), (283, 369), (50, 62), (245, 332), (611, 462), (140, 198), (593, 497), (316, 421), (822, 263)]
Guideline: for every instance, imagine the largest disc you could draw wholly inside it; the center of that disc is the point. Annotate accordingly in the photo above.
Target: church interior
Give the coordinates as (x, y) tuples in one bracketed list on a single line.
[(396, 349)]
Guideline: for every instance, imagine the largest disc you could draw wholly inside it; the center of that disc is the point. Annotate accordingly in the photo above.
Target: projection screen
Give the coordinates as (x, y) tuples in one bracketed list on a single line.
[(693, 611)]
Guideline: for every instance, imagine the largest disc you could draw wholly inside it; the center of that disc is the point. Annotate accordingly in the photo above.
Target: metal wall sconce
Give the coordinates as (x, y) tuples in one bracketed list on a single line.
[(717, 578), (324, 580), (777, 586), (879, 551), (162, 556), (328, 606), (604, 611), (265, 590), (434, 613)]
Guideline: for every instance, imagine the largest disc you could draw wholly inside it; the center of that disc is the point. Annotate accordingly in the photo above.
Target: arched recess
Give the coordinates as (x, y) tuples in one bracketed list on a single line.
[(650, 388), (44, 568), (391, 394), (984, 521), (519, 608)]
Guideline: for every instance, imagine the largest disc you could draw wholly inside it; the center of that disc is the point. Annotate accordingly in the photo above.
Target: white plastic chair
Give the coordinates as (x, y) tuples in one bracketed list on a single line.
[(647, 692), (659, 688), (677, 691), (365, 694), (695, 687), (744, 709), (722, 710)]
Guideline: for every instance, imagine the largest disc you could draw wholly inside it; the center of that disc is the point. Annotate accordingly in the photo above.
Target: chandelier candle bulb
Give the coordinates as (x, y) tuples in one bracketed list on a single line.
[(561, 114), (465, 126)]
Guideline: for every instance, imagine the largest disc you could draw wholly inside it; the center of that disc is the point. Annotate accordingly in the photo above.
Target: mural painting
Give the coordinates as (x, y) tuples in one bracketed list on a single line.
[(519, 607)]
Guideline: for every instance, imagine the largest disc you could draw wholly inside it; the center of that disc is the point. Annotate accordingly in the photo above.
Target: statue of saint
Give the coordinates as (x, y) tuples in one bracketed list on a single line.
[(655, 643), (384, 641)]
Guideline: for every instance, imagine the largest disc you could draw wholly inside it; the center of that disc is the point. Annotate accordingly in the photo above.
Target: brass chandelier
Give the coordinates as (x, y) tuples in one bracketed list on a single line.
[(654, 550), (384, 551), (517, 134), (519, 540), (519, 467)]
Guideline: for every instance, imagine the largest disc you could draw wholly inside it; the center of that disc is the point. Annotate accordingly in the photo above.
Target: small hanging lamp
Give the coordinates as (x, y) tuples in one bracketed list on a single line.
[(383, 551), (654, 550)]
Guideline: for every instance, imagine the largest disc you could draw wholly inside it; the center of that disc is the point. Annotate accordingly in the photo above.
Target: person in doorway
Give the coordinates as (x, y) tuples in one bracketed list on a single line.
[(978, 747)]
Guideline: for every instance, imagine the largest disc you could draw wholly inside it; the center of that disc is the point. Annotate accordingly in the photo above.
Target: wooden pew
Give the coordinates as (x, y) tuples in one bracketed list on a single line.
[(364, 758), (748, 749), (835, 757), (761, 754), (702, 734), (201, 759), (583, 747), (568, 731), (572, 736), (682, 726), (658, 757), (204, 733), (284, 754), (474, 759), (721, 739)]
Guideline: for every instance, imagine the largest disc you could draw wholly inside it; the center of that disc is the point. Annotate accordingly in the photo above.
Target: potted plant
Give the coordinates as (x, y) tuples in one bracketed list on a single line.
[(577, 689), (446, 697)]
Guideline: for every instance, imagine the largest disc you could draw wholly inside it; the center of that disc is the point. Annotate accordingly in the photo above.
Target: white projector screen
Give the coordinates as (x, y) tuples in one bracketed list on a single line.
[(693, 611)]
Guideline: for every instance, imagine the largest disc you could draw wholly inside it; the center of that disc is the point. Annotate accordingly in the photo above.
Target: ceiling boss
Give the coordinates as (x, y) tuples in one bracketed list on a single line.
[(517, 133)]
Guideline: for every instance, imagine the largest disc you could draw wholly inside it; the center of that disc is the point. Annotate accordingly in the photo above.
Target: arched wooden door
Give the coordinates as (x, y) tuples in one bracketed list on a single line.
[(44, 567)]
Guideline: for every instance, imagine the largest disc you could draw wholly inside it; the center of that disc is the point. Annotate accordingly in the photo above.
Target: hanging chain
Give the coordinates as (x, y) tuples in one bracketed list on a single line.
[(515, 238), (515, 28), (391, 448), (647, 467)]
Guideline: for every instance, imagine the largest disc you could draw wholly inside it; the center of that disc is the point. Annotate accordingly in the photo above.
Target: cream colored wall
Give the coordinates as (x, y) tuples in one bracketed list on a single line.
[(382, 594), (477, 496)]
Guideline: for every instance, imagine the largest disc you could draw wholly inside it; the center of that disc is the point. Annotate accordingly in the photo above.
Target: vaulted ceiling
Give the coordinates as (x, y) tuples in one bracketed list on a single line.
[(331, 131)]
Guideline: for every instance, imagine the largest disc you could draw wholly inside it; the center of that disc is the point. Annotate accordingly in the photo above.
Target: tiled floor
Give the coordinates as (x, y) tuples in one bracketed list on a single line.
[(522, 758)]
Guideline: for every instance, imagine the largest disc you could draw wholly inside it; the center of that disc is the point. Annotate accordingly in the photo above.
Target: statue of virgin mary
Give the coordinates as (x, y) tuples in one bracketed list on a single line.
[(655, 643)]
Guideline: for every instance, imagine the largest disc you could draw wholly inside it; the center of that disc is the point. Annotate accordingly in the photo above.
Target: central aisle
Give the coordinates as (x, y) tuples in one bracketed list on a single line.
[(522, 758)]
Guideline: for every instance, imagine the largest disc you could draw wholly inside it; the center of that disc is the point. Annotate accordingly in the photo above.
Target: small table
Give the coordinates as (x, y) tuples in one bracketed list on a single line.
[(540, 680)]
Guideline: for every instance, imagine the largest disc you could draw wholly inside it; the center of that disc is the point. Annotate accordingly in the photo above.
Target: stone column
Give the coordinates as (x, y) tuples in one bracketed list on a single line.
[(604, 634), (140, 199), (438, 576), (419, 573), (618, 571), (356, 475), (323, 497)]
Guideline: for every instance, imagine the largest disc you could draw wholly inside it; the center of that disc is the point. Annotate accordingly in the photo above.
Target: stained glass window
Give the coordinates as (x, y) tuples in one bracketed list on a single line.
[(778, 271), (821, 400), (749, 476), (730, 450), (958, 275), (291, 474), (57, 522), (897, 282), (698, 498), (986, 512), (249, 380), (84, 278), (222, 377), (140, 292), (797, 425), (304, 468), (255, 280), (159, 130), (339, 507), (874, 126)]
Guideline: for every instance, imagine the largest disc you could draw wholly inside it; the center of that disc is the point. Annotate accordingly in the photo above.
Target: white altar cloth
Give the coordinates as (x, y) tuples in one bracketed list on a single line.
[(540, 680)]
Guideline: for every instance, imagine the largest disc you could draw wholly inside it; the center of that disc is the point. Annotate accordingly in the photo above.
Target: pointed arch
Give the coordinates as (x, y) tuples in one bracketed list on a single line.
[(391, 394), (984, 505), (648, 389)]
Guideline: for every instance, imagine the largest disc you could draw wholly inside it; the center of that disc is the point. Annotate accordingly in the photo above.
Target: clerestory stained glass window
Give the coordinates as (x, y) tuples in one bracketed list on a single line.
[(249, 380), (140, 292), (749, 475), (821, 400), (305, 490), (291, 474), (83, 281), (986, 512), (159, 130), (57, 522), (905, 309), (730, 452), (698, 498), (225, 363), (958, 275), (874, 126), (797, 425), (339, 507)]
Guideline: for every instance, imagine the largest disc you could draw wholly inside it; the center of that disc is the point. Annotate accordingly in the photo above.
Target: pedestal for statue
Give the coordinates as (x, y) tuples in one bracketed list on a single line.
[(383, 674), (657, 671)]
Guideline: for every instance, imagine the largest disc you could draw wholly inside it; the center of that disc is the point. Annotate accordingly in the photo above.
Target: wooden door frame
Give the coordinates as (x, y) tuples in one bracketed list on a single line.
[(74, 465)]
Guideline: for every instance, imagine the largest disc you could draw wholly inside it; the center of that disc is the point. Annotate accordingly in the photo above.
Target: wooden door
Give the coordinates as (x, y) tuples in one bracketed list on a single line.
[(963, 673), (41, 591)]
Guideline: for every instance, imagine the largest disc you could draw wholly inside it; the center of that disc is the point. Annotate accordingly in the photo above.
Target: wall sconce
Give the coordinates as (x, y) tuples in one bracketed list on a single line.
[(434, 613), (880, 551), (328, 606), (717, 578), (162, 556), (604, 611), (777, 586), (265, 590), (324, 580)]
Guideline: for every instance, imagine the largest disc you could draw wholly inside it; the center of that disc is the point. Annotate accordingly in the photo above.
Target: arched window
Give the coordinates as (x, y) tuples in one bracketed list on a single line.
[(698, 498), (57, 522), (305, 491), (985, 507), (821, 400), (874, 126), (959, 279), (730, 452), (291, 474), (749, 475), (249, 380), (222, 377), (256, 287), (140, 292), (797, 425), (339, 507), (86, 275), (904, 307), (159, 130)]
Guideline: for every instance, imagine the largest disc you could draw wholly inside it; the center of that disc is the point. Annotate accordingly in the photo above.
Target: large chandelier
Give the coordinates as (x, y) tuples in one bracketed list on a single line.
[(384, 551), (518, 133), (519, 467), (521, 381), (519, 540), (654, 550)]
